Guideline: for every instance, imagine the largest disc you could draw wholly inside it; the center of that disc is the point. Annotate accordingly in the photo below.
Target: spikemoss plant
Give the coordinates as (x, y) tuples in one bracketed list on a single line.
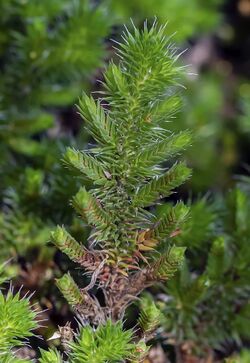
[(128, 249), (126, 168)]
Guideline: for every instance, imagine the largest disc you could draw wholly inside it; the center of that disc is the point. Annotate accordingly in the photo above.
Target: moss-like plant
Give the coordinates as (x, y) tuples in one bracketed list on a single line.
[(128, 249)]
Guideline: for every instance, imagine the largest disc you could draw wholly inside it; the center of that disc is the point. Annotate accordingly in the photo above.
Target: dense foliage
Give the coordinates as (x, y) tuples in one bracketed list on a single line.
[(120, 168)]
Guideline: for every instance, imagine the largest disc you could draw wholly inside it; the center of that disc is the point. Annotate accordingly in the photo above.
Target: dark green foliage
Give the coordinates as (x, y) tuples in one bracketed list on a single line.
[(219, 259), (31, 208), (48, 51), (48, 46), (209, 298)]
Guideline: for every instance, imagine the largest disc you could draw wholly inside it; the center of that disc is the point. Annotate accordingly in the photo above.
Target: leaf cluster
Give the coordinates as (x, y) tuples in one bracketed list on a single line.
[(209, 297)]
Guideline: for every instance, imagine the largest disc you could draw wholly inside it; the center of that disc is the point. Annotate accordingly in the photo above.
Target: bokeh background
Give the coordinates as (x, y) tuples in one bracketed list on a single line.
[(53, 50)]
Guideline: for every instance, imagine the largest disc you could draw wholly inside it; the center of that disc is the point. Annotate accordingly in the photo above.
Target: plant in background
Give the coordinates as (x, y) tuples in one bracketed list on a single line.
[(189, 20), (202, 113), (206, 305), (49, 52)]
